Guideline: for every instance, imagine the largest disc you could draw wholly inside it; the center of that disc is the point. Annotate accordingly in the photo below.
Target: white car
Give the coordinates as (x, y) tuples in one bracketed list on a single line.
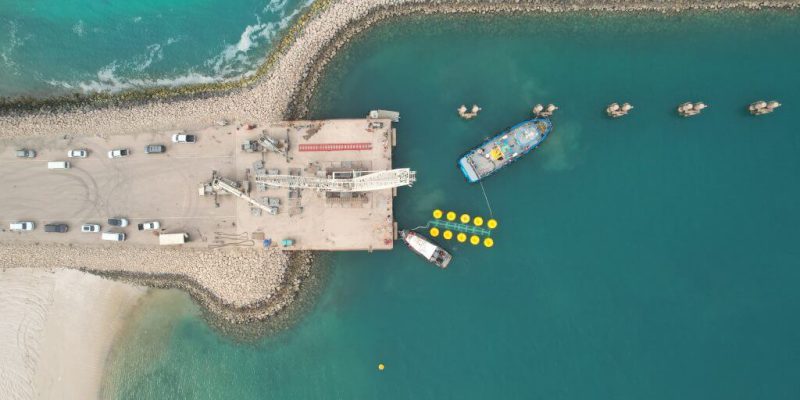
[(149, 226), (21, 226), (183, 138), (90, 228), (78, 153), (117, 153)]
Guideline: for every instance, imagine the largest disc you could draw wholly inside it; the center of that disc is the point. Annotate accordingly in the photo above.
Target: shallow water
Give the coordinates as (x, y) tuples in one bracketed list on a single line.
[(649, 257), (54, 47)]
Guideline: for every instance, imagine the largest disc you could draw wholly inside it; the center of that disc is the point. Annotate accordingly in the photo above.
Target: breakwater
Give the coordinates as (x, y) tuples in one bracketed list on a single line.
[(281, 88)]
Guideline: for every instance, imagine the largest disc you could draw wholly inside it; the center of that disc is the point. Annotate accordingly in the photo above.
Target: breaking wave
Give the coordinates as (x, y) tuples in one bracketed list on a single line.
[(234, 61)]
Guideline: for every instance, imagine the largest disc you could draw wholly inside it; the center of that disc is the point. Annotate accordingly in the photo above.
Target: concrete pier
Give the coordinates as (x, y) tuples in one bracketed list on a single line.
[(164, 187)]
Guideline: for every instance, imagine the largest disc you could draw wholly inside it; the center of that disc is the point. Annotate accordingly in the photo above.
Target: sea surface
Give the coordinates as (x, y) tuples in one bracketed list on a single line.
[(52, 47), (650, 257)]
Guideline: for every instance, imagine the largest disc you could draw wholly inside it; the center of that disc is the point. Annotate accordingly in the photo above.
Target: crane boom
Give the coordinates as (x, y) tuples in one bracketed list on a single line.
[(357, 181), (220, 184)]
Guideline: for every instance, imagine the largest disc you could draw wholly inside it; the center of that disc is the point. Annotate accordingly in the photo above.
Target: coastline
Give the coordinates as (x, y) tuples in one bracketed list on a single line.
[(289, 74), (280, 89), (237, 286), (58, 329)]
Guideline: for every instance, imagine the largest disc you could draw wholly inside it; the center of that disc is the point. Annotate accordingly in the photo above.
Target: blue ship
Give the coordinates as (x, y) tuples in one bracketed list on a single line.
[(508, 146)]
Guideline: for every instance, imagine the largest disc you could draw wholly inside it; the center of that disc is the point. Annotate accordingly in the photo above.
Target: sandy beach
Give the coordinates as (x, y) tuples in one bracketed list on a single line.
[(56, 331)]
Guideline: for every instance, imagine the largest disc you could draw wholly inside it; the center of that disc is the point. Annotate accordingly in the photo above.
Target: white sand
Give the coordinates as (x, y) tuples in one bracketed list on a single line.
[(56, 329)]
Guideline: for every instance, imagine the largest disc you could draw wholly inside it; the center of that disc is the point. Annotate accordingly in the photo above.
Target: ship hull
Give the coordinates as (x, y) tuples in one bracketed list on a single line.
[(426, 249), (504, 148)]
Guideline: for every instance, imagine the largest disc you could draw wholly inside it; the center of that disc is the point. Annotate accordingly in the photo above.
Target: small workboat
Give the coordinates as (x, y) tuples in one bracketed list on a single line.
[(426, 248)]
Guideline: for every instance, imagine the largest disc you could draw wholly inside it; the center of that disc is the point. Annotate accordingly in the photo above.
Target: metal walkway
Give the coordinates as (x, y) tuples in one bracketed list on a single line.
[(355, 181), (335, 146)]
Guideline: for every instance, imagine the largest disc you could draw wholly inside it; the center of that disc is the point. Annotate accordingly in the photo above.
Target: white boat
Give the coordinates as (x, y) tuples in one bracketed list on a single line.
[(426, 248)]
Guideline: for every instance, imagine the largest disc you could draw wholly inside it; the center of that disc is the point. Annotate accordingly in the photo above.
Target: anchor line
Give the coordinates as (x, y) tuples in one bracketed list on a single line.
[(485, 197), (420, 227)]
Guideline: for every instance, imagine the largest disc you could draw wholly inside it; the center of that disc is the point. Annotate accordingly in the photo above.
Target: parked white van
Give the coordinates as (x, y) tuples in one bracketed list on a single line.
[(113, 236), (21, 226), (58, 165)]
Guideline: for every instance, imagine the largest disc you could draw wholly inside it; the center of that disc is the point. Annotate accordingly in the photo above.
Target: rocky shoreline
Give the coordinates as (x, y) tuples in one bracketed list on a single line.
[(280, 89), (235, 285), (282, 85)]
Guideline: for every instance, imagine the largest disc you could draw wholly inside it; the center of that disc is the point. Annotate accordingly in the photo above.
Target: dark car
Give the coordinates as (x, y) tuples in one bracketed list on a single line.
[(25, 153), (118, 221), (58, 228), (155, 149)]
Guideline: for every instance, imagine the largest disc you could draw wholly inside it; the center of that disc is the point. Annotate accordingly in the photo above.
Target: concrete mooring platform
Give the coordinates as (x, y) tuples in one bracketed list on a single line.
[(167, 187)]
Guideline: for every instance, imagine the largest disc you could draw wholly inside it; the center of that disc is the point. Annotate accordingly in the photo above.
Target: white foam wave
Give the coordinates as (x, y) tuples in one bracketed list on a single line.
[(7, 49), (253, 36), (108, 81), (275, 6), (234, 61)]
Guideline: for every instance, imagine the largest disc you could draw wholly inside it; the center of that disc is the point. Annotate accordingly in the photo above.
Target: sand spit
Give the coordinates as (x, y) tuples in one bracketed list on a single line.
[(237, 284), (56, 330), (244, 285)]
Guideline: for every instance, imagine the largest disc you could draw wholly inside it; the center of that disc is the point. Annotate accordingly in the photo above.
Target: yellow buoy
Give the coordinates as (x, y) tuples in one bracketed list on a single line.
[(381, 367), (451, 216), (447, 234), (488, 242), (474, 239), (478, 221), (437, 213), (465, 218), (461, 237), (491, 223), (434, 231)]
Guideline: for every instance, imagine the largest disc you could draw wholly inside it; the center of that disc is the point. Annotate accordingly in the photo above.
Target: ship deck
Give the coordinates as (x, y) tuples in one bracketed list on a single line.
[(503, 149)]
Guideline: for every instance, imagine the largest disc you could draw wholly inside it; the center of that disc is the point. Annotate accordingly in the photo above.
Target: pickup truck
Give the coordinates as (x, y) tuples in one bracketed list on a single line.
[(183, 138), (149, 226), (117, 153), (25, 153)]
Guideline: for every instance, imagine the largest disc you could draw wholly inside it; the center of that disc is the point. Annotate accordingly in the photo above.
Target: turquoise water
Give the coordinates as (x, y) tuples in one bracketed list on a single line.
[(651, 257), (53, 47)]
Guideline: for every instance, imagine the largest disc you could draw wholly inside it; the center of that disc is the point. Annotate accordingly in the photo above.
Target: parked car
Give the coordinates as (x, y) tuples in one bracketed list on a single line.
[(155, 149), (90, 228), (58, 228), (78, 153), (118, 221), (183, 138), (25, 153), (113, 236), (117, 153), (58, 165), (149, 226), (21, 226)]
